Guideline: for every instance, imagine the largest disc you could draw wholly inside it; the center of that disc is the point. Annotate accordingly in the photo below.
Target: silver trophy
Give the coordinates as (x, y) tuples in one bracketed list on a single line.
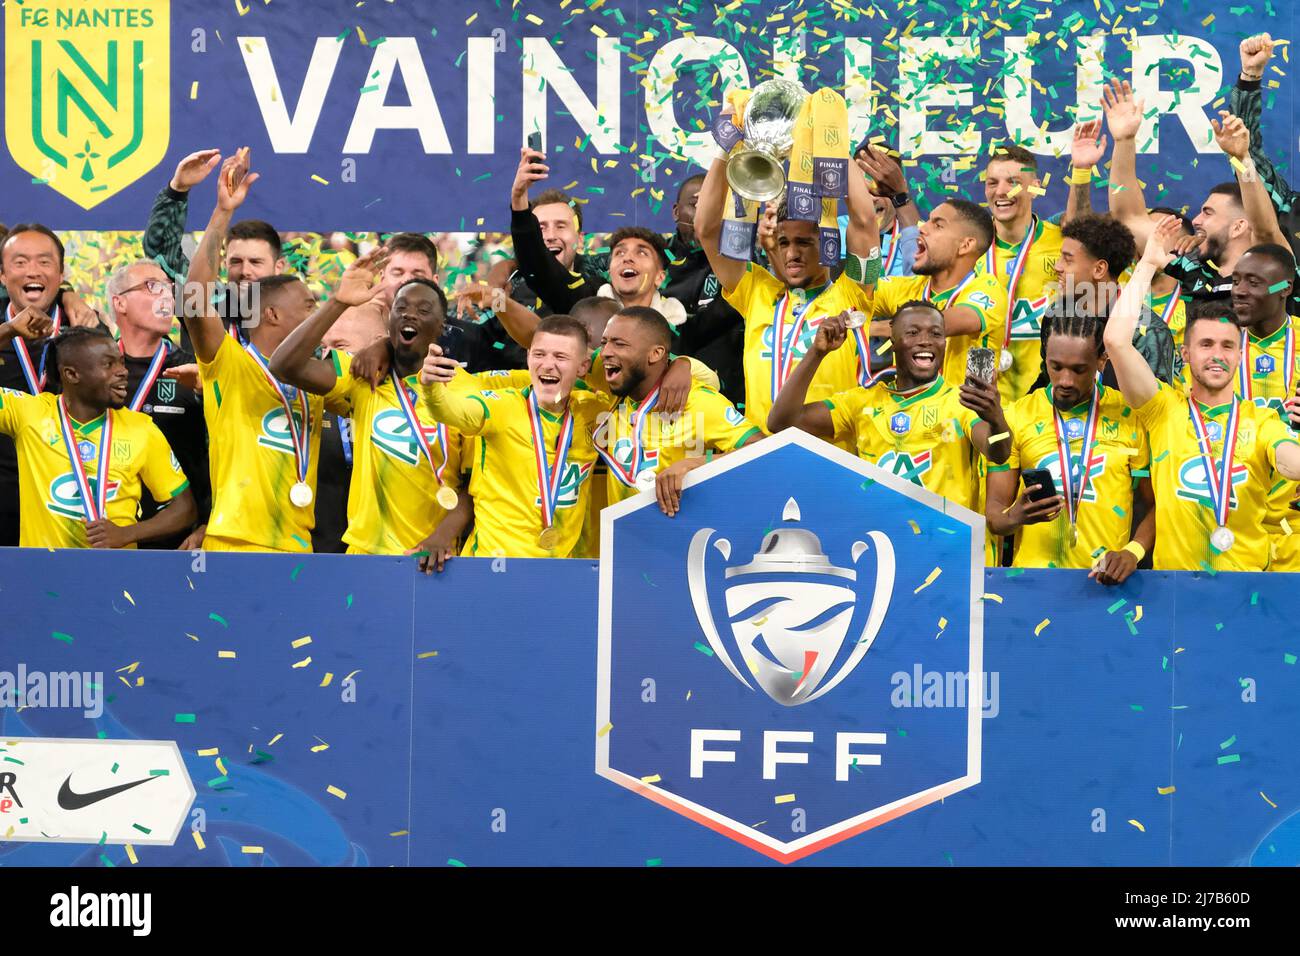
[(757, 172)]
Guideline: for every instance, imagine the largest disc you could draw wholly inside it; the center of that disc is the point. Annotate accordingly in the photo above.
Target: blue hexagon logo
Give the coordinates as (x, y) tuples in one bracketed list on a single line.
[(796, 656)]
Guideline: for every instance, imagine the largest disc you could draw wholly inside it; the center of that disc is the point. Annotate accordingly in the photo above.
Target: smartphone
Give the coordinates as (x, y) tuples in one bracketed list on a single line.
[(535, 141), (981, 365), (453, 342), (1041, 477)]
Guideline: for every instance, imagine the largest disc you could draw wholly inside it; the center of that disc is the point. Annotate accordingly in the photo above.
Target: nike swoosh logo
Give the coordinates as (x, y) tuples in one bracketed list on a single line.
[(68, 800)]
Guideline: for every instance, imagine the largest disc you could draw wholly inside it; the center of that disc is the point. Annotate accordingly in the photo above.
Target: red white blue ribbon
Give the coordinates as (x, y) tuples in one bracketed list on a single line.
[(1218, 479), (548, 477), (1244, 383), (35, 376), (893, 249), (1074, 492), (417, 433), (1015, 269), (150, 376), (94, 502), (929, 296), (782, 357), (628, 475), (299, 435)]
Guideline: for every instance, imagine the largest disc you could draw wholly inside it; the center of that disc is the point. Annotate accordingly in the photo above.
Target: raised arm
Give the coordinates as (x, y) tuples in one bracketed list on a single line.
[(203, 324), (1234, 139), (294, 360), (710, 206), (790, 410), (862, 238), (1136, 380), (466, 412), (1124, 118), (889, 182), (165, 230), (555, 285), (518, 321), (1246, 101), (1087, 150)]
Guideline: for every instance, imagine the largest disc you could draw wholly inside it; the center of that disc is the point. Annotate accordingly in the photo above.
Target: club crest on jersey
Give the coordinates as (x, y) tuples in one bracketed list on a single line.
[(900, 423), (1214, 430), (391, 433), (929, 416), (166, 390), (86, 450), (1074, 428), (905, 465), (1109, 428), (1265, 364), (275, 430), (1096, 468), (64, 497), (1027, 318), (1193, 485)]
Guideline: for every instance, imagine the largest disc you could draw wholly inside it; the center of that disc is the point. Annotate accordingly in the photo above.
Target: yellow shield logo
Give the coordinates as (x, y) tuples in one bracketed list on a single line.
[(76, 81)]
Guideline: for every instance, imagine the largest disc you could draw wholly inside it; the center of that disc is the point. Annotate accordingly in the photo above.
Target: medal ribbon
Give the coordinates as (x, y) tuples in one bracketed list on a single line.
[(1244, 384), (1074, 493), (94, 505), (1220, 480), (928, 296), (628, 475), (548, 479), (413, 421), (151, 376), (893, 249), (35, 377), (300, 436), (782, 358), (1015, 269)]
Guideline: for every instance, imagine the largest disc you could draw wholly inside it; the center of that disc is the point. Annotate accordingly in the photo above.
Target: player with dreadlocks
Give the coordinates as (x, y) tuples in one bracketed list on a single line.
[(1083, 519)]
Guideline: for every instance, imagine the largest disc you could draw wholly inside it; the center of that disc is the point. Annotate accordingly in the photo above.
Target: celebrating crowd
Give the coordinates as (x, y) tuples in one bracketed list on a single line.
[(1112, 390)]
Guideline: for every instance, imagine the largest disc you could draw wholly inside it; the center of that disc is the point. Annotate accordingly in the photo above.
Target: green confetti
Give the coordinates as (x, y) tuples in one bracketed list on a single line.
[(349, 600), (1135, 707), (452, 861), (160, 773), (1254, 598), (1116, 606), (113, 769), (1015, 572), (106, 861), (214, 616), (1228, 743), (144, 830), (60, 636), (1229, 758), (657, 861), (184, 718), (704, 649), (293, 575), (1289, 658), (218, 780), (646, 577)]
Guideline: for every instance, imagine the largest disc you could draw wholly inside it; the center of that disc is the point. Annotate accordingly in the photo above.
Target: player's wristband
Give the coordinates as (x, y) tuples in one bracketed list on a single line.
[(1081, 177), (1135, 549), (863, 271)]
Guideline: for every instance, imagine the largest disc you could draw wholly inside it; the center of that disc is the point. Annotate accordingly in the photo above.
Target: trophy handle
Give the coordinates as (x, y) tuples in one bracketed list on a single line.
[(879, 608), (699, 588)]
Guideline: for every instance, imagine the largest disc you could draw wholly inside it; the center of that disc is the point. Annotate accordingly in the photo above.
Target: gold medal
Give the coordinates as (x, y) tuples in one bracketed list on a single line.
[(447, 498), (548, 538)]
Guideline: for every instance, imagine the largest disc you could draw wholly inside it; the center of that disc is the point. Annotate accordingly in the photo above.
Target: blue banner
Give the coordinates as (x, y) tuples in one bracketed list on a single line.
[(410, 116), (453, 718)]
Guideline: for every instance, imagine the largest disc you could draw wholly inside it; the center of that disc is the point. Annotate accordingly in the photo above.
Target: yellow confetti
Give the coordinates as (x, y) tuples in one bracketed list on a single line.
[(221, 766), (930, 579), (361, 34), (194, 90), (129, 668), (916, 528), (329, 676), (127, 595), (1208, 20), (532, 18), (192, 637), (198, 839), (653, 778), (472, 18), (1286, 528), (251, 849), (336, 792), (1137, 616), (130, 854), (352, 675), (943, 623), (323, 182), (1138, 825), (301, 642), (319, 747), (604, 730), (210, 752), (303, 663), (785, 798), (1165, 790), (1041, 625), (271, 742), (1014, 191), (226, 655), (1268, 801), (993, 597), (420, 657), (397, 833)]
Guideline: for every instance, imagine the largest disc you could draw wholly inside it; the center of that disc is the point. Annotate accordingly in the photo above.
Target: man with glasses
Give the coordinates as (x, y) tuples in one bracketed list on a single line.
[(162, 379)]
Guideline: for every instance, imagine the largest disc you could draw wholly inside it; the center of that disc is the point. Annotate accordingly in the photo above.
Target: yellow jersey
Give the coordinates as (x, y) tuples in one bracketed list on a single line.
[(505, 482), (1106, 511), (922, 435), (251, 455), (392, 504), (1033, 292), (708, 422), (978, 292), (1184, 510), (765, 302), (50, 507)]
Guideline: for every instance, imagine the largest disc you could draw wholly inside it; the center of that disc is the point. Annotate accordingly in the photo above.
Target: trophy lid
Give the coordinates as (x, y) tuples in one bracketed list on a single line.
[(791, 550)]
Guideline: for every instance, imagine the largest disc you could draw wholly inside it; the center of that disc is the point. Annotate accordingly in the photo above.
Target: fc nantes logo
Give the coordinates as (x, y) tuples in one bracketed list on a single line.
[(86, 92)]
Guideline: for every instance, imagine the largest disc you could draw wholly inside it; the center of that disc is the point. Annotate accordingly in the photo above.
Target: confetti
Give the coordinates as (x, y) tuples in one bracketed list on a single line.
[(127, 595), (323, 182), (302, 663), (1268, 801), (704, 649), (185, 718), (785, 798), (1228, 743), (1042, 625), (251, 849), (198, 839), (1163, 791), (130, 852), (226, 655), (1138, 825), (210, 752), (1288, 658), (653, 778), (214, 616), (996, 598), (336, 792), (607, 728), (397, 833), (656, 861), (930, 579), (301, 642), (423, 654), (451, 860), (60, 636)]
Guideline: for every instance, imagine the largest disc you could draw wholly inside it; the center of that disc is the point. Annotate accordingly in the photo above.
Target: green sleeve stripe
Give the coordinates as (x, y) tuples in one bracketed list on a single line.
[(179, 488), (1285, 441), (1003, 467), (744, 439), (487, 413), (829, 404), (338, 366)]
